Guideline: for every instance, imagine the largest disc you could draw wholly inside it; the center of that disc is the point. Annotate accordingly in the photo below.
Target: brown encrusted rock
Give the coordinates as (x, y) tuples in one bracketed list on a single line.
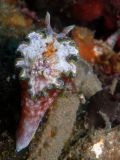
[(104, 145), (13, 22), (62, 117), (103, 110), (58, 128)]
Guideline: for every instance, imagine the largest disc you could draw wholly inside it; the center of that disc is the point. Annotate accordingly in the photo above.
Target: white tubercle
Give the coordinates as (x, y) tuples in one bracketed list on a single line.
[(46, 58)]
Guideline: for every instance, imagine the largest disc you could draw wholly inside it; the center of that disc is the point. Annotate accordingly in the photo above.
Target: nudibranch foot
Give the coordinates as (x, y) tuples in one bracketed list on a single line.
[(32, 114)]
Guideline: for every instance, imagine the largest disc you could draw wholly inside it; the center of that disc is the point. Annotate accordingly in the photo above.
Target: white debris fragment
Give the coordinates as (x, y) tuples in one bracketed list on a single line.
[(97, 148)]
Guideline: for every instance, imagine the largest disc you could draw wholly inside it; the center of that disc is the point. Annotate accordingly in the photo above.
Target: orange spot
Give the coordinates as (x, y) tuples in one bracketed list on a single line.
[(50, 50)]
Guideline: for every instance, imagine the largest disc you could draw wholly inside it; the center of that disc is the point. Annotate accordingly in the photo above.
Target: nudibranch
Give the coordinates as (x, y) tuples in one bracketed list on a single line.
[(46, 60)]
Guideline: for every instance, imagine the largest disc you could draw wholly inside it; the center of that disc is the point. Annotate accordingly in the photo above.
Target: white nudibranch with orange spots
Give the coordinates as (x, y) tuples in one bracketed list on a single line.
[(46, 58)]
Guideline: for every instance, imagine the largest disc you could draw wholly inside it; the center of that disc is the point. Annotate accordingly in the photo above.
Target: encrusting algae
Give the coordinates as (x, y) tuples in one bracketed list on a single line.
[(98, 52), (84, 39)]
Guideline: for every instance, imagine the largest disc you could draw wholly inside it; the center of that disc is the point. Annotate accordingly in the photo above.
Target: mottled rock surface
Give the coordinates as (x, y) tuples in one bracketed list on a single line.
[(58, 128), (62, 117), (86, 81), (100, 145), (104, 145)]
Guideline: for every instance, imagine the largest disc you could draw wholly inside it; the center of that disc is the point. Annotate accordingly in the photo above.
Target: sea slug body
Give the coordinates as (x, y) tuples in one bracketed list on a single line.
[(45, 60)]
